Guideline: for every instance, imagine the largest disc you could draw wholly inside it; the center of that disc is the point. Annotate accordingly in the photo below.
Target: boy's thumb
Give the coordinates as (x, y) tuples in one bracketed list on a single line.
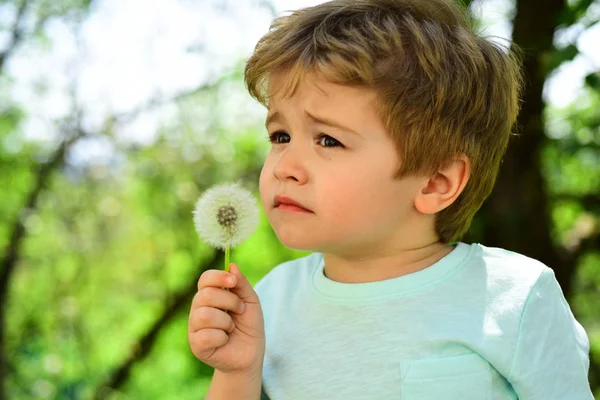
[(243, 288)]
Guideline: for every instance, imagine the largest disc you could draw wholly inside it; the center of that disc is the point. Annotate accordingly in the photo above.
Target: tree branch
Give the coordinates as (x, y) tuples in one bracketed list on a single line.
[(11, 255), (269, 6), (16, 34), (129, 116), (589, 201)]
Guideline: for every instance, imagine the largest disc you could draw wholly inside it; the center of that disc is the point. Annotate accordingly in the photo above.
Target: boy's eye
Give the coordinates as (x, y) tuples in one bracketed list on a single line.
[(324, 140), (274, 138)]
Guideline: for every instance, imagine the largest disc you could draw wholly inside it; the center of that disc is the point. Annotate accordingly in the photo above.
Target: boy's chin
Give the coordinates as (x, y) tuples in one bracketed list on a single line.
[(295, 241), (295, 245)]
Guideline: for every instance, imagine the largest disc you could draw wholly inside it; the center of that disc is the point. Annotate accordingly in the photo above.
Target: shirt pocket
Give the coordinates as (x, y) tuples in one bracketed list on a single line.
[(463, 377)]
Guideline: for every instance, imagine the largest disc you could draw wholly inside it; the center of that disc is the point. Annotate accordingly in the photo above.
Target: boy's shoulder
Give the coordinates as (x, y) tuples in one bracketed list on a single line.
[(500, 260), (507, 270)]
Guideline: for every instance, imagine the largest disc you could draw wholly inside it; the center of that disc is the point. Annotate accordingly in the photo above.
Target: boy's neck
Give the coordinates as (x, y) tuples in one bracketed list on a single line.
[(381, 265)]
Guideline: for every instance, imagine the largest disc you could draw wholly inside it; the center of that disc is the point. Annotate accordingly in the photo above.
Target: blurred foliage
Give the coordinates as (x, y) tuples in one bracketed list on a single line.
[(571, 165), (108, 246)]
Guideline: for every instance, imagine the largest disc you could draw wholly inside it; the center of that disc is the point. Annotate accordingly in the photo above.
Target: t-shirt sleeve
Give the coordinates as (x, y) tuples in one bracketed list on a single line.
[(551, 359)]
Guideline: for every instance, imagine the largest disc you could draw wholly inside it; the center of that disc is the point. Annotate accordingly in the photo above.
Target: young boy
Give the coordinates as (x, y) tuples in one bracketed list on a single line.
[(388, 121)]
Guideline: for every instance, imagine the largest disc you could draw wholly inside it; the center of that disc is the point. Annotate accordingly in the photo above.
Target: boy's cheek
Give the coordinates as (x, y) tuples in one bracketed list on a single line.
[(263, 187)]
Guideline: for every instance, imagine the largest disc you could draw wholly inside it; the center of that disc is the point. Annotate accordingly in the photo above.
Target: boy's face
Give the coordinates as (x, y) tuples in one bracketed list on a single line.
[(356, 207)]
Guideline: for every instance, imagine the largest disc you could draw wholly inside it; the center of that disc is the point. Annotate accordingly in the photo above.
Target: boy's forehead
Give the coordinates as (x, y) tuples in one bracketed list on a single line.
[(283, 84)]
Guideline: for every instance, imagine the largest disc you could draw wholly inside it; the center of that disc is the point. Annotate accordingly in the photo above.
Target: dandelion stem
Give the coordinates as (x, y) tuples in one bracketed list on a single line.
[(227, 248), (227, 258)]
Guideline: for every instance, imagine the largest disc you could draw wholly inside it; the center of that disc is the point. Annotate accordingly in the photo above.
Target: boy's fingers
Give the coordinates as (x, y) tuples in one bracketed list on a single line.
[(217, 298), (208, 317), (216, 278), (243, 288)]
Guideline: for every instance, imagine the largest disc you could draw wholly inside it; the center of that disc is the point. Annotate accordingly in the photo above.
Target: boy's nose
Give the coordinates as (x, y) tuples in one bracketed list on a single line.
[(291, 165)]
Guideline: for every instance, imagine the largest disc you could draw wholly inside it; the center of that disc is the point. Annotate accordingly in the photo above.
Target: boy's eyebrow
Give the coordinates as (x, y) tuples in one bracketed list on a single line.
[(275, 117)]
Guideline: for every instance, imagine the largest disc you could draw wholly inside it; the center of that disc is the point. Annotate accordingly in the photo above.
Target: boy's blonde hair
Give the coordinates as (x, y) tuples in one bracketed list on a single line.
[(443, 90)]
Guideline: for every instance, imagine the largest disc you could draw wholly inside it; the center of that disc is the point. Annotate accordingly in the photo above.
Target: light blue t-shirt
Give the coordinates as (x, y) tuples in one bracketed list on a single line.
[(480, 324)]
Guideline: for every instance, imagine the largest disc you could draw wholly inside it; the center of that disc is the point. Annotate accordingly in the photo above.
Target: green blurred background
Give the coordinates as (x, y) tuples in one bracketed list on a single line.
[(116, 115)]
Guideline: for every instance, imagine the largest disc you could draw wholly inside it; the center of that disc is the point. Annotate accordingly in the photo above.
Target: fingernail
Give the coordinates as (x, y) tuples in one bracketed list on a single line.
[(242, 308)]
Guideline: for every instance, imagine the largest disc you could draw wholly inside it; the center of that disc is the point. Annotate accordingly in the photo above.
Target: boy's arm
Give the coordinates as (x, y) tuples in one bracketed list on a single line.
[(551, 359), (235, 386)]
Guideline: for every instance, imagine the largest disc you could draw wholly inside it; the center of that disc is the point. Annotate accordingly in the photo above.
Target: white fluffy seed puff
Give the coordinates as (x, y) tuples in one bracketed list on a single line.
[(225, 215)]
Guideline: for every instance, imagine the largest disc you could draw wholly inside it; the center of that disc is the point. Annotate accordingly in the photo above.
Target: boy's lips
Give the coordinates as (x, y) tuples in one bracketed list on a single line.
[(288, 201)]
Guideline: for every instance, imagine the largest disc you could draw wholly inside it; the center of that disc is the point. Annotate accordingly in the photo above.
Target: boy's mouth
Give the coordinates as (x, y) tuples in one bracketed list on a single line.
[(285, 203)]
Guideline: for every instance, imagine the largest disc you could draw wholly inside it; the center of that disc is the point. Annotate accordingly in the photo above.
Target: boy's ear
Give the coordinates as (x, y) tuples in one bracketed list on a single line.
[(444, 186)]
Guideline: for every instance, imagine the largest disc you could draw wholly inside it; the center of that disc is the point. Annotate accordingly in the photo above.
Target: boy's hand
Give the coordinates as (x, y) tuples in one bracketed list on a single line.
[(234, 341)]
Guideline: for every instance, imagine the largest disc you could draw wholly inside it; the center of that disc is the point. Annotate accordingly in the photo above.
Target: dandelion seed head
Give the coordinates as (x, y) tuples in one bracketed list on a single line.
[(225, 215)]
